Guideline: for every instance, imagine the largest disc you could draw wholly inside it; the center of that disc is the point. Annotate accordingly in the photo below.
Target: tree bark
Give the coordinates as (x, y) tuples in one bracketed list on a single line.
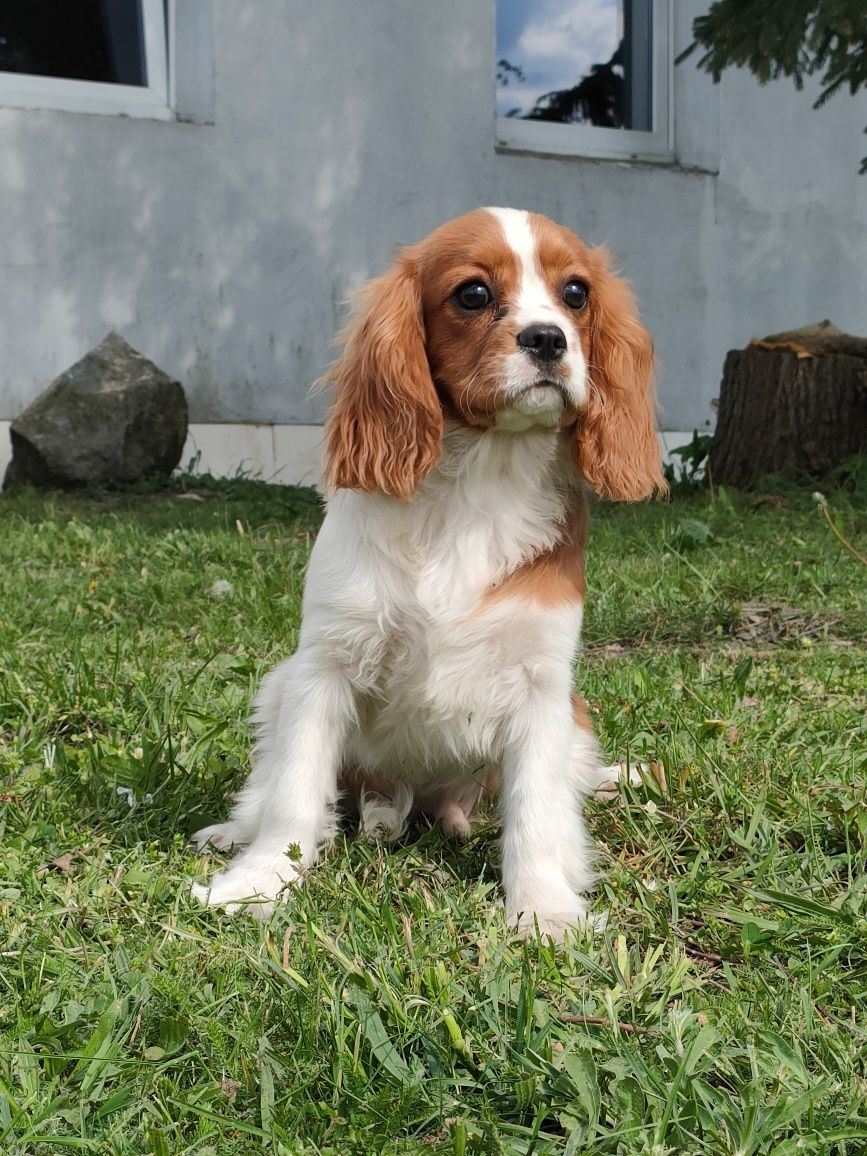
[(783, 408)]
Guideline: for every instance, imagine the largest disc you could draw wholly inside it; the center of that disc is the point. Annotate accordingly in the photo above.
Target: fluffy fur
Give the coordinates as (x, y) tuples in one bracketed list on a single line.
[(444, 596)]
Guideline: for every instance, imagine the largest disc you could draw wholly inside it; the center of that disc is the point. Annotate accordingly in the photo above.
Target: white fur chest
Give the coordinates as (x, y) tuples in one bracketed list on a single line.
[(394, 599)]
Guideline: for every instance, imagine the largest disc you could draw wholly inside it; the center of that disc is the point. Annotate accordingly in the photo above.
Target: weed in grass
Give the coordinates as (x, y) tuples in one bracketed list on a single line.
[(822, 502), (385, 1007), (688, 473)]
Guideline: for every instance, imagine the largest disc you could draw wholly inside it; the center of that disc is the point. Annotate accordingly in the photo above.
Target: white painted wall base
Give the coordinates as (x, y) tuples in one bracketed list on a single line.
[(288, 455)]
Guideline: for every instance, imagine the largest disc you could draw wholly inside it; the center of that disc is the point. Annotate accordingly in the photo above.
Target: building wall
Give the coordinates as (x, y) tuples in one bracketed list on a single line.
[(225, 251)]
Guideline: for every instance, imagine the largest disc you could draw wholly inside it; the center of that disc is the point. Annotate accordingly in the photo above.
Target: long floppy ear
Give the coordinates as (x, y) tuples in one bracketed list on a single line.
[(617, 450), (384, 429)]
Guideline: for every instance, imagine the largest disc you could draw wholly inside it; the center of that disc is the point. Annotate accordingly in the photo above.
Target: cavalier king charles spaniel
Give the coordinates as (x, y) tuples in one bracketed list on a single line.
[(497, 371)]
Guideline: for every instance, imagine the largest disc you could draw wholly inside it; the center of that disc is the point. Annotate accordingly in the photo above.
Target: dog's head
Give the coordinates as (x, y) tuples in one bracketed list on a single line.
[(499, 319)]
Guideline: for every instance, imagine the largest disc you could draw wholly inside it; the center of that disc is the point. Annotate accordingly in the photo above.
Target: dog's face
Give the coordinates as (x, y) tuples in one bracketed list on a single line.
[(506, 304), (499, 319)]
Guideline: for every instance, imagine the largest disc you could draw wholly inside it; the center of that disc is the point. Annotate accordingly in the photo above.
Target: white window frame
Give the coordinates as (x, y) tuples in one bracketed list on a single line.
[(621, 144), (24, 90)]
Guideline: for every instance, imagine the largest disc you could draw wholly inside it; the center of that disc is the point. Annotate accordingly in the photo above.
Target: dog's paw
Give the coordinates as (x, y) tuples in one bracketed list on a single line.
[(454, 822), (221, 835), (556, 925), (383, 819), (610, 778), (252, 884)]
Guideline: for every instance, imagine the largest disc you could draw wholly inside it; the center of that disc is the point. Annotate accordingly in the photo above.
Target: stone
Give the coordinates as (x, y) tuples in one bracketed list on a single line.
[(111, 417)]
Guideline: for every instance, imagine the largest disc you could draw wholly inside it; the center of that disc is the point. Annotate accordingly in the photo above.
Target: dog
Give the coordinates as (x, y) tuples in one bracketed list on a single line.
[(491, 377)]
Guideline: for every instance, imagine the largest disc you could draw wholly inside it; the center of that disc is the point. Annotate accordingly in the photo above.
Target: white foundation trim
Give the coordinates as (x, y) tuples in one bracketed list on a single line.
[(289, 455)]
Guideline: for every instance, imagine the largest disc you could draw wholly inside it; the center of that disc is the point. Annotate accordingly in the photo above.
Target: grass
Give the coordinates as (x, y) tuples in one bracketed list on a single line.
[(386, 1008)]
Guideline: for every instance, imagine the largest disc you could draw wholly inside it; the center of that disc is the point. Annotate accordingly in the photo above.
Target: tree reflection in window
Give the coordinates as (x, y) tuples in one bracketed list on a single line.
[(596, 99), (541, 42)]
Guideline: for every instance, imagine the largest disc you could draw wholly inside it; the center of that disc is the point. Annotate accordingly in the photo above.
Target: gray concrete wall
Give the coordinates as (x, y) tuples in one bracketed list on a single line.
[(224, 251)]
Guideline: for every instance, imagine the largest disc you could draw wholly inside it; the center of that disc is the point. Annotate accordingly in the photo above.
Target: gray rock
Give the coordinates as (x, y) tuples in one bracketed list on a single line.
[(112, 417)]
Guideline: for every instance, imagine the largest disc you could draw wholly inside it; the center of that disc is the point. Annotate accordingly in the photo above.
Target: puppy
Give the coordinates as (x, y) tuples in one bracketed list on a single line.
[(493, 374)]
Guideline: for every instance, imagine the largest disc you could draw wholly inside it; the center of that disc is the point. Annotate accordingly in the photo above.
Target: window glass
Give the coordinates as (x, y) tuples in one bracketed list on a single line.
[(96, 40), (576, 62)]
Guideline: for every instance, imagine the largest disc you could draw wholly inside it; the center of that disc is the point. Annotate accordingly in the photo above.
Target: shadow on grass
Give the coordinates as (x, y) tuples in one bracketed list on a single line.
[(157, 506)]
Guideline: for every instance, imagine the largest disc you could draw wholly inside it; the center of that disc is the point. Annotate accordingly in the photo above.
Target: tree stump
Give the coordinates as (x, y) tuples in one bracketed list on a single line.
[(793, 402)]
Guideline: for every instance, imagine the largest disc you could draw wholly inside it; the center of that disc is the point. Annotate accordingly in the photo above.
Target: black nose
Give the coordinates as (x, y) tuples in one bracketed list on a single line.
[(547, 342)]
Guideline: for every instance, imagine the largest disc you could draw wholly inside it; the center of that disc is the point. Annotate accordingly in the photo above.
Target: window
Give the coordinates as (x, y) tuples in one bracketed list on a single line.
[(584, 77), (104, 56)]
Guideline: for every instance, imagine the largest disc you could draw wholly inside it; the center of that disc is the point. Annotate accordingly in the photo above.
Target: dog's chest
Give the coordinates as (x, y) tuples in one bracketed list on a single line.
[(402, 594), (439, 683), (441, 646), (437, 665)]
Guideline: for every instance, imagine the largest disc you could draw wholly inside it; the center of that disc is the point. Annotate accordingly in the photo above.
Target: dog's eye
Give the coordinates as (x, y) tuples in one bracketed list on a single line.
[(575, 294), (473, 296)]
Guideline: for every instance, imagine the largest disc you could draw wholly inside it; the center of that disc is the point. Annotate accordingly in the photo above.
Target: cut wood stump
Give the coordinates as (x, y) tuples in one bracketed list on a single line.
[(794, 402)]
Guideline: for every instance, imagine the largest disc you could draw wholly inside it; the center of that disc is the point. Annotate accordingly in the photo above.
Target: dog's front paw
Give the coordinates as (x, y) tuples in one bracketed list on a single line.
[(554, 910), (608, 785), (252, 884), (221, 835), (554, 924)]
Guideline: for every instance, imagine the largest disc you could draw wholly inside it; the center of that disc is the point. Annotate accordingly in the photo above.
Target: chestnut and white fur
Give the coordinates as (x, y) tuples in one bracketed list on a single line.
[(497, 370)]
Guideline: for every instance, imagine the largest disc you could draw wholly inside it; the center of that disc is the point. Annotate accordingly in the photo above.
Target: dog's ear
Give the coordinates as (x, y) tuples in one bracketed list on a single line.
[(385, 426), (616, 446)]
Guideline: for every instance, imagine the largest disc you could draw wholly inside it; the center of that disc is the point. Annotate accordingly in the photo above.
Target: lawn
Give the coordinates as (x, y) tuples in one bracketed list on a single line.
[(386, 1008)]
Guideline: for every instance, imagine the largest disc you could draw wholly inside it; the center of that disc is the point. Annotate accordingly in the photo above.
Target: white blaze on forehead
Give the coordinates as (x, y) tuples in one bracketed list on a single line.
[(534, 301)]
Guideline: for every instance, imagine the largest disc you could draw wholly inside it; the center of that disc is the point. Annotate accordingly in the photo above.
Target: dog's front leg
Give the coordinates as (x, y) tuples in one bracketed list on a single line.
[(547, 857), (287, 805)]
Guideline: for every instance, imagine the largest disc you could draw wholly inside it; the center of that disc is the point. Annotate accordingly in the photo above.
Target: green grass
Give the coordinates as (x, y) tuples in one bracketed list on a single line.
[(386, 1008)]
